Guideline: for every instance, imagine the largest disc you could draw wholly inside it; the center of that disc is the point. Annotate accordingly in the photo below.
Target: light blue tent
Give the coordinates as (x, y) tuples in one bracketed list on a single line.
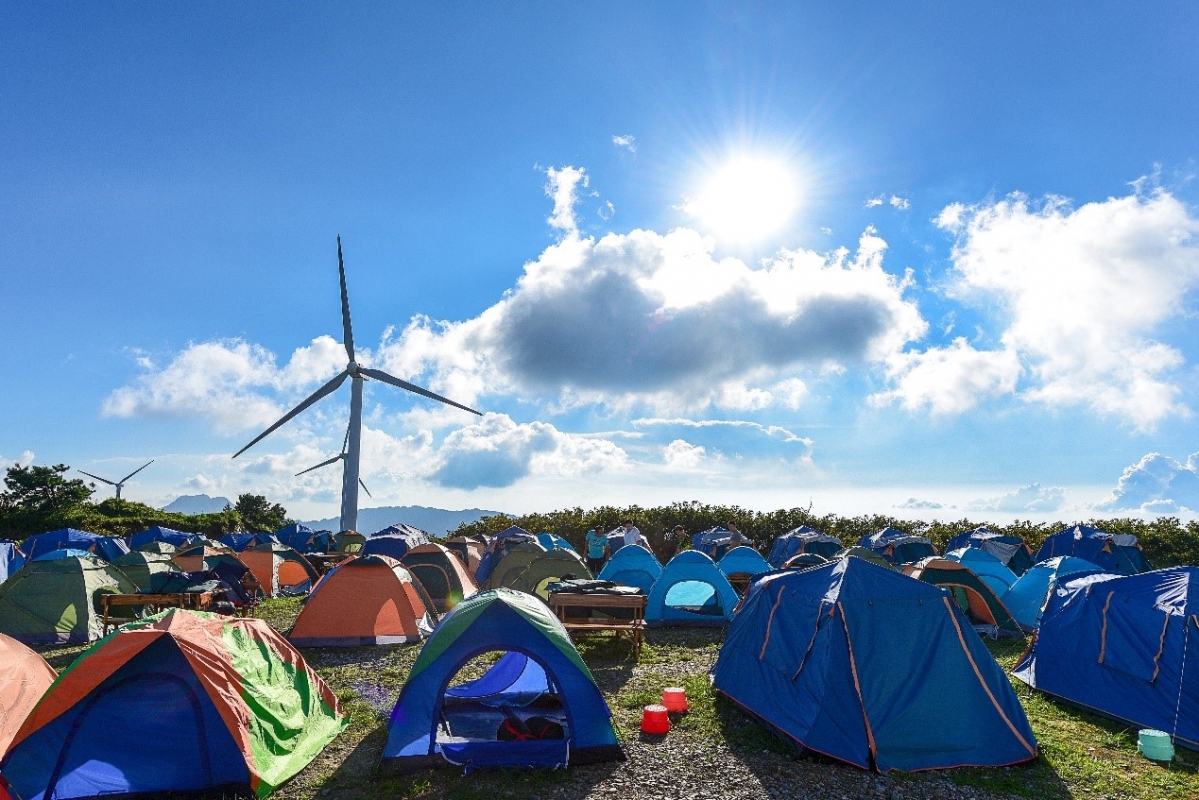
[(552, 541), (691, 591), (632, 566), (868, 666), (742, 561), (1029, 594), (987, 567)]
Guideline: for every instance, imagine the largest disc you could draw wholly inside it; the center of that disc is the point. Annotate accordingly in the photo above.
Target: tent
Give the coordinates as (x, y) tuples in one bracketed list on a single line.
[(898, 547), (398, 539), (551, 541), (867, 666), (160, 534), (180, 702), (805, 560), (281, 571), (24, 678), (529, 567), (866, 554), (54, 599), (713, 542), (691, 591), (977, 601), (803, 540), (1111, 552), (139, 567), (11, 558), (303, 539), (442, 575), (615, 541), (468, 549), (201, 558), (632, 566), (742, 561), (498, 547), (986, 566), (1124, 647), (238, 542), (348, 541), (366, 599), (1011, 551), (107, 547), (540, 675), (159, 548), (1030, 592)]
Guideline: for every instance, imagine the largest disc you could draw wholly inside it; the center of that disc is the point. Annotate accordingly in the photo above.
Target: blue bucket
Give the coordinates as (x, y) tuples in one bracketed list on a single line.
[(1155, 745)]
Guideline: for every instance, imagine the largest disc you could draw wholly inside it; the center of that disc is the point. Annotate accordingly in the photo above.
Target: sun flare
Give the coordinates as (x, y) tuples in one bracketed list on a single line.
[(746, 199)]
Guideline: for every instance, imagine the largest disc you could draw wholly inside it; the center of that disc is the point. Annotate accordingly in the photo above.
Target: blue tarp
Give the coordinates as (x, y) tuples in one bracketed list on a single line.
[(1028, 595), (108, 548), (1115, 553), (803, 540), (1118, 645), (742, 561), (160, 534), (691, 591), (632, 566), (871, 667)]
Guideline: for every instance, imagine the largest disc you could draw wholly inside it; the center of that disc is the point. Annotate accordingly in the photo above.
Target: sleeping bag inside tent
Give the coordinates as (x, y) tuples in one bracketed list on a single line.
[(691, 591), (24, 678), (364, 600), (632, 566), (1125, 647), (537, 706), (868, 666), (55, 599), (182, 701), (442, 575)]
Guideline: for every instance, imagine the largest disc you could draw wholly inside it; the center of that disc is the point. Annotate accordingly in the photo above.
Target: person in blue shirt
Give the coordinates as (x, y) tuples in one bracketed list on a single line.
[(597, 549)]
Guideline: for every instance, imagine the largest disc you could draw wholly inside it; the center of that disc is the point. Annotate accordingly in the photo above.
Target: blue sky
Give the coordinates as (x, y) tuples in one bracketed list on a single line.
[(980, 300)]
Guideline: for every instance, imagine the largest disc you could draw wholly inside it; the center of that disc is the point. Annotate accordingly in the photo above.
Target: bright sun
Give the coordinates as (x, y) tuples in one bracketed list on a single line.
[(746, 199)]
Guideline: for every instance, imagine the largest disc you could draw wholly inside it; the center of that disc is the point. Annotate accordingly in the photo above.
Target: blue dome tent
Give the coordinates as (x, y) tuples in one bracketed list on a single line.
[(868, 666), (1028, 595), (160, 534), (303, 539), (1011, 551), (540, 676), (552, 541), (691, 591), (803, 540), (987, 567), (395, 541), (742, 561), (240, 542), (1125, 647), (106, 547), (1111, 552), (899, 547), (632, 566), (713, 542)]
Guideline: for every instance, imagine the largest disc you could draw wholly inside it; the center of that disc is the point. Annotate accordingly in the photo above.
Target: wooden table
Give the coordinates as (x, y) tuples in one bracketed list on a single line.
[(196, 601), (634, 627)]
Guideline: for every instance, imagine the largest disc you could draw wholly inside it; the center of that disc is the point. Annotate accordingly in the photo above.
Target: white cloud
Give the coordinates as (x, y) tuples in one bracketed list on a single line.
[(1085, 290), (1033, 498), (682, 454), (874, 202), (563, 187), (1158, 484), (912, 502), (901, 203), (627, 142), (23, 460), (949, 380)]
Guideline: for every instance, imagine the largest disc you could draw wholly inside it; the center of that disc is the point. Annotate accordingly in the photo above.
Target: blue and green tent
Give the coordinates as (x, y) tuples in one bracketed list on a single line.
[(540, 675)]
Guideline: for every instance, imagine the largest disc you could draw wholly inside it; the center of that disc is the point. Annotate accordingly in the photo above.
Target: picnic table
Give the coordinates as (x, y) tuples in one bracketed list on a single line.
[(196, 601), (632, 604)]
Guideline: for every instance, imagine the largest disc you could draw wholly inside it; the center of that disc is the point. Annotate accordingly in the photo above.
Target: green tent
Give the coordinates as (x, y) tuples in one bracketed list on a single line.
[(530, 568), (139, 567), (56, 598), (157, 548), (867, 554), (348, 541)]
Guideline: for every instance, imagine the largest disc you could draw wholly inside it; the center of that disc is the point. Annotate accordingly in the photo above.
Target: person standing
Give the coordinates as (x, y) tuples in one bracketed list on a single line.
[(633, 536), (597, 549), (673, 542), (737, 538)]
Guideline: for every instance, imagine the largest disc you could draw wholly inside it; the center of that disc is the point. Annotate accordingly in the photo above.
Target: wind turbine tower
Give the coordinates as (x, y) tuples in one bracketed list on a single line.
[(121, 483), (358, 375)]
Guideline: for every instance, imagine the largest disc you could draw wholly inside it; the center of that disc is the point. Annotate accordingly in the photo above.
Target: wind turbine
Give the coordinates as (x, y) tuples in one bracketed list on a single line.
[(358, 375), (334, 460), (121, 482)]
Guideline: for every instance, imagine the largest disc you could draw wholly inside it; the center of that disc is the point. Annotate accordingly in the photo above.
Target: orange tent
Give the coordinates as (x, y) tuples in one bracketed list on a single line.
[(24, 678), (368, 599), (279, 569), (202, 557), (442, 575)]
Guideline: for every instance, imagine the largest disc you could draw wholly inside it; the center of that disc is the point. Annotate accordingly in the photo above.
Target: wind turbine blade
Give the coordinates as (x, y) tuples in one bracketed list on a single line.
[(368, 491), (328, 388), (139, 469), (97, 477), (379, 375), (346, 330), (322, 464)]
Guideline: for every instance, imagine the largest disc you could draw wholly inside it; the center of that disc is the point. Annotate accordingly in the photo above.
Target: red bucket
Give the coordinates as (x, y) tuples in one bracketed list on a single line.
[(655, 720), (675, 699)]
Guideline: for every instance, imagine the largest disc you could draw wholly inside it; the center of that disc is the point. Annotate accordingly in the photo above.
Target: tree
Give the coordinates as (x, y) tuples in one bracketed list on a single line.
[(259, 515), (37, 497)]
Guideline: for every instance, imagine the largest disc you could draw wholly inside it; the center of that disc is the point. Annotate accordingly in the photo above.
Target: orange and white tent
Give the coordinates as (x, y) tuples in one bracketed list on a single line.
[(24, 678), (442, 575), (365, 600), (280, 570)]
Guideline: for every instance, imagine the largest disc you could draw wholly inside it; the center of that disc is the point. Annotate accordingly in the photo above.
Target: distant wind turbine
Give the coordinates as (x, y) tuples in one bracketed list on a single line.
[(357, 374), (121, 482), (334, 460)]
